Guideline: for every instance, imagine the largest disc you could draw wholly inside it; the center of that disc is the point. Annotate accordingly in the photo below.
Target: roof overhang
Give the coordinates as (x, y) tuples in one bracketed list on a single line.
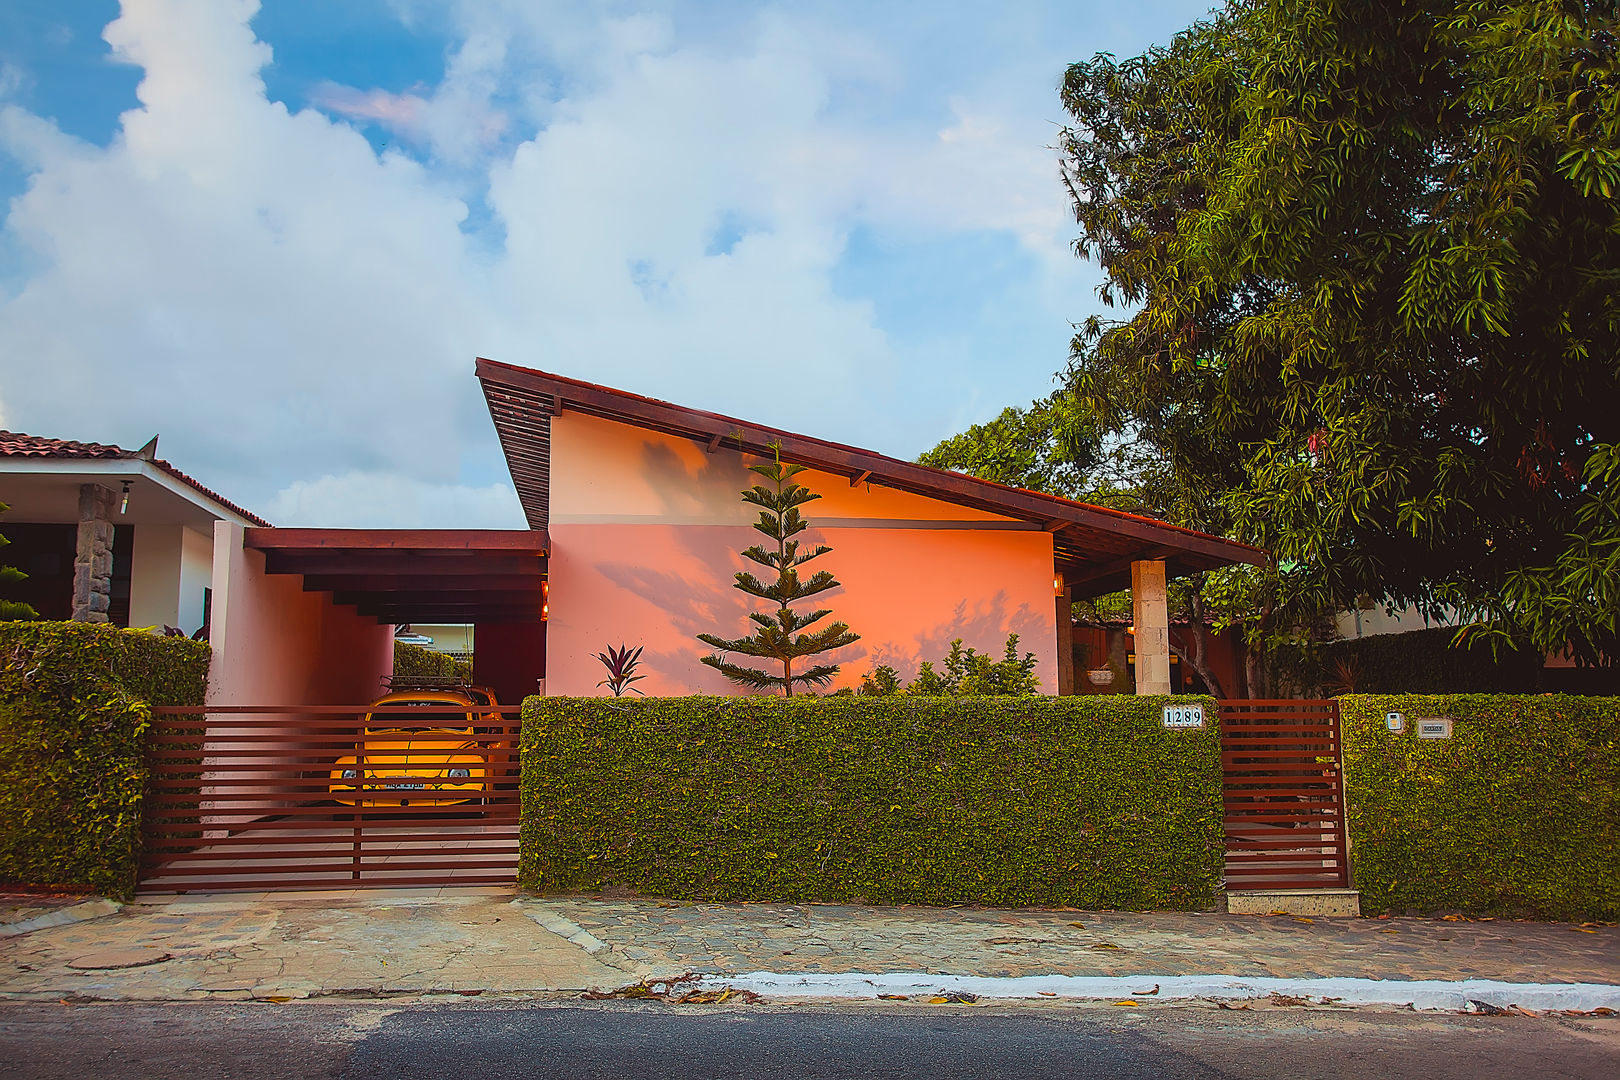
[(46, 490), (416, 575), (1094, 546)]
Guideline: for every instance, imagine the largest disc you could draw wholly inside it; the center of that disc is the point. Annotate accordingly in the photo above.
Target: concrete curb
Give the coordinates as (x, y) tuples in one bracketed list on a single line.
[(90, 909), (1453, 996)]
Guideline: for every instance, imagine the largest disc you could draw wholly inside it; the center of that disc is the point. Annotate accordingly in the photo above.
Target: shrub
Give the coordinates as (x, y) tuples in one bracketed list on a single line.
[(75, 701), (1517, 813), (415, 661), (1082, 801), (967, 673)]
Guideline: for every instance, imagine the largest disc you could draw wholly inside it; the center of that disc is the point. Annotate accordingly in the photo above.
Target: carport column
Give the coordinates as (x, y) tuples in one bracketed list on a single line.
[(1152, 621), (92, 560)]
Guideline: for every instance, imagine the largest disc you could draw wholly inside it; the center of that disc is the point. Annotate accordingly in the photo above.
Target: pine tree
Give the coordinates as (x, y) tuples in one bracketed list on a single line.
[(778, 634), (13, 609)]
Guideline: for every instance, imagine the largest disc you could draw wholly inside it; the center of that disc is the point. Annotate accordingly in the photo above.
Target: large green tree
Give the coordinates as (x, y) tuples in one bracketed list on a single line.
[(1368, 262)]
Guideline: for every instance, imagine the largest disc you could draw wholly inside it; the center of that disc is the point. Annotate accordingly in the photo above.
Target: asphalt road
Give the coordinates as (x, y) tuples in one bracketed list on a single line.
[(566, 1039)]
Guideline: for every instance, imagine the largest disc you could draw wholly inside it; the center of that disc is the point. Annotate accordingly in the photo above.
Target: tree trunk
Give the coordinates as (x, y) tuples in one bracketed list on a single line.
[(1197, 657)]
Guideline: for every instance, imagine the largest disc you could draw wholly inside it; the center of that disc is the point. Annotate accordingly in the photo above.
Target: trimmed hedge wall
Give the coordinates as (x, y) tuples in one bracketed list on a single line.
[(1078, 801), (412, 659), (75, 699), (1517, 813)]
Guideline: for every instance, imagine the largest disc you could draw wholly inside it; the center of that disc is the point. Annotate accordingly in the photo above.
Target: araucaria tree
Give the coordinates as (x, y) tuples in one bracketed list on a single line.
[(782, 636)]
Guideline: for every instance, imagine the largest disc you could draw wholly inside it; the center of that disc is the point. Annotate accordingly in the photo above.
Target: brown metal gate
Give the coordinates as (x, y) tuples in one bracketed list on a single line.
[(1284, 795), (245, 797)]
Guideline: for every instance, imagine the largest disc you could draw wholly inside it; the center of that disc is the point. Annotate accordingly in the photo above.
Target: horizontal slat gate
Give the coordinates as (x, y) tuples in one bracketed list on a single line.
[(245, 798), (1284, 799)]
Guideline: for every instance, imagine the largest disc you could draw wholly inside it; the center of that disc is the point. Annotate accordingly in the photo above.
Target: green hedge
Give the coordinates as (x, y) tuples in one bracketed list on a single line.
[(75, 699), (414, 660), (1080, 801), (1517, 813)]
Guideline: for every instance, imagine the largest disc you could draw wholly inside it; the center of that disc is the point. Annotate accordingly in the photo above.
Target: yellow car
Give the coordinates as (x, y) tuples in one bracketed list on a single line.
[(416, 760)]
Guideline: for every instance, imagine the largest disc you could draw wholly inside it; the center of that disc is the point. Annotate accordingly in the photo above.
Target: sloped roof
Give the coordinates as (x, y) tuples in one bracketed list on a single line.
[(17, 444), (1094, 545)]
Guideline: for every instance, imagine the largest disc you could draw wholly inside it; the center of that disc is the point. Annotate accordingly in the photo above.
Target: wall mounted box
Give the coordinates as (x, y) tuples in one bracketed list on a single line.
[(1434, 727), (1396, 722)]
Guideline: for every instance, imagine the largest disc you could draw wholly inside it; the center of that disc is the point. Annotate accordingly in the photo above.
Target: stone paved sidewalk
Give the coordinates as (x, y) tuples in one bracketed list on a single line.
[(787, 938), (469, 941)]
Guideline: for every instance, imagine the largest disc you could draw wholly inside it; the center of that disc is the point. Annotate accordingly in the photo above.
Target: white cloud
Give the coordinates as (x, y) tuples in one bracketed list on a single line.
[(382, 500), (298, 313)]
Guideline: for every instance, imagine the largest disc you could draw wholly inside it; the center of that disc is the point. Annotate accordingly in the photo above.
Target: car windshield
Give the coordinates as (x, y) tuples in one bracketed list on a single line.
[(400, 716), (480, 697)]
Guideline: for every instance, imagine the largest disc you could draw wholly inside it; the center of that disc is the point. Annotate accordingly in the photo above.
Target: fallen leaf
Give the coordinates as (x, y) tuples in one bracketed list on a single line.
[(279, 999), (1147, 993), (894, 997), (1301, 918), (1287, 1001), (1224, 1005), (1078, 925), (1103, 945), (1484, 1008), (1583, 930), (1388, 930), (1132, 1004), (1602, 1010), (1046, 993)]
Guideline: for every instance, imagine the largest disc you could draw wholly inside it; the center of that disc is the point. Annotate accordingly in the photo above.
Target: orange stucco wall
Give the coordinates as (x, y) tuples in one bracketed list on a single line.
[(646, 532)]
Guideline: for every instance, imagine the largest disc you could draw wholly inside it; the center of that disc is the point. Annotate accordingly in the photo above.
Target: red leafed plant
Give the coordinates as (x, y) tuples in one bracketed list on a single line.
[(621, 665)]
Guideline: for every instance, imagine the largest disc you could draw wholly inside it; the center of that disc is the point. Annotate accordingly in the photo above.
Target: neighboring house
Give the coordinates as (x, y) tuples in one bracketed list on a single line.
[(109, 535)]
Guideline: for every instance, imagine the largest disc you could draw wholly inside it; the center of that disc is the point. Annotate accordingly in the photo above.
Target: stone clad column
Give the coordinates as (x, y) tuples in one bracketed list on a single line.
[(1152, 619), (92, 560)]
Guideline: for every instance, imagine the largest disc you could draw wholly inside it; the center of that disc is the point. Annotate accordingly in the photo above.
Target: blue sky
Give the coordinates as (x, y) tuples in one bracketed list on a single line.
[(280, 235)]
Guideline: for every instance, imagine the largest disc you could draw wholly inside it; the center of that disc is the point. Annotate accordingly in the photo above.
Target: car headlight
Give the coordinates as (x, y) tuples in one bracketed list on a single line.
[(350, 774), (459, 774)]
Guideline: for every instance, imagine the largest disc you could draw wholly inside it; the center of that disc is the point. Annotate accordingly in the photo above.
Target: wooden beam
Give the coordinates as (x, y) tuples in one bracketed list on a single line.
[(526, 541), (420, 583), (860, 478), (714, 441), (401, 563), (1053, 526)]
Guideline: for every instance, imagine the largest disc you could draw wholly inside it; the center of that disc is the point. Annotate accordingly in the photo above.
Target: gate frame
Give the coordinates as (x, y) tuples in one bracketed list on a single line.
[(1338, 848)]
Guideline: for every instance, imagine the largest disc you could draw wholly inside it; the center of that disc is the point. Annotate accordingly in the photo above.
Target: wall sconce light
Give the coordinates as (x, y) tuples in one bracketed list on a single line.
[(545, 600), (123, 507), (1057, 585)]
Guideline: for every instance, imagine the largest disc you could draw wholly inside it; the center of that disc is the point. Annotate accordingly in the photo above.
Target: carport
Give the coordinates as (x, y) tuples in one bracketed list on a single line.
[(243, 792)]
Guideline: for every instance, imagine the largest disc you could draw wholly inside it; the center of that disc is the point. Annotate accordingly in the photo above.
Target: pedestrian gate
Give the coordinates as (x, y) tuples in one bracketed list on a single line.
[(245, 797), (1284, 795)]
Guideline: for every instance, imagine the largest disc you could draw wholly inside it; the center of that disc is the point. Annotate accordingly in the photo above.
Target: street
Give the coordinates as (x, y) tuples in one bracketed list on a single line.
[(562, 1037)]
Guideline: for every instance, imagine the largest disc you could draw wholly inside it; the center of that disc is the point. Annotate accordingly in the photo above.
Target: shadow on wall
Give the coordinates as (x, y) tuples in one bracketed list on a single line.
[(710, 491), (985, 627)]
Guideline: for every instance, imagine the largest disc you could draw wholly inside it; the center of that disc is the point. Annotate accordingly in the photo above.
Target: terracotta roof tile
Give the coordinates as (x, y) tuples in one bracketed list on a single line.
[(17, 444)]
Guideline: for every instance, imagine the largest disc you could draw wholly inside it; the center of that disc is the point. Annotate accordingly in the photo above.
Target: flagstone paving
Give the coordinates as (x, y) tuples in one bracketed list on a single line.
[(471, 941), (790, 938)]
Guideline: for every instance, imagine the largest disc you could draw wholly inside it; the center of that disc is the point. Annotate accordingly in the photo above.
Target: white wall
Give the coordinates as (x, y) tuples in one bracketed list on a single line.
[(170, 567)]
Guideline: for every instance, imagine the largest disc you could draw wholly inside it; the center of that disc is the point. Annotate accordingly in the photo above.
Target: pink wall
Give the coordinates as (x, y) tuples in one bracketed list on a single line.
[(646, 532), (275, 644)]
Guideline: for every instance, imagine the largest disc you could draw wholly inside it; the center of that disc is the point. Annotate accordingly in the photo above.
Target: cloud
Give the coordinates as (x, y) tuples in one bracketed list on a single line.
[(613, 196)]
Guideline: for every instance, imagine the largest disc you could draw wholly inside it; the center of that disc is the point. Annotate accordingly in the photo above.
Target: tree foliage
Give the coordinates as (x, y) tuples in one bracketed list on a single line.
[(968, 673), (13, 610), (782, 636), (1369, 255), (1051, 446)]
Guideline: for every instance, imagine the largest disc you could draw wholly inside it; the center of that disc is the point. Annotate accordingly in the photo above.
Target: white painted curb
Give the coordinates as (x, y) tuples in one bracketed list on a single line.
[(1452, 996)]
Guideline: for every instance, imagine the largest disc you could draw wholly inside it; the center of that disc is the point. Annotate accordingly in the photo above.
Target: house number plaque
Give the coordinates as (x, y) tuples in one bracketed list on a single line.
[(1183, 716)]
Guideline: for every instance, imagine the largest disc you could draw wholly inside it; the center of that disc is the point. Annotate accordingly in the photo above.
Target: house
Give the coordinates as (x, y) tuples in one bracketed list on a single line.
[(640, 501), (110, 535)]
